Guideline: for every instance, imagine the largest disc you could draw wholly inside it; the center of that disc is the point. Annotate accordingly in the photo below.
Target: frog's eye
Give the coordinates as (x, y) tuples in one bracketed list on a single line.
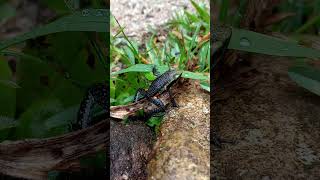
[(176, 76)]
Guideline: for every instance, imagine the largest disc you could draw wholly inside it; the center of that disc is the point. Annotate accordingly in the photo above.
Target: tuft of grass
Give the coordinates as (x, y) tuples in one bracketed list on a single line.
[(186, 48)]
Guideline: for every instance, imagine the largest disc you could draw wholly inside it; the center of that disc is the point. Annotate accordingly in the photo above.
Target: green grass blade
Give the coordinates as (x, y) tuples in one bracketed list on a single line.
[(309, 24), (307, 77), (204, 85), (259, 43), (192, 75), (85, 20), (224, 11), (140, 68), (10, 84), (204, 14), (22, 55)]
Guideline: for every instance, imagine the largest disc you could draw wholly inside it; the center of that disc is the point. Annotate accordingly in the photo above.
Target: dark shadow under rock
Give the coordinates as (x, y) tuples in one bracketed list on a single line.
[(130, 148)]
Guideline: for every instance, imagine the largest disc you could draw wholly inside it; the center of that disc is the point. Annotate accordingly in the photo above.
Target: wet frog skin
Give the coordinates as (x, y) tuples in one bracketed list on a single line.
[(160, 85)]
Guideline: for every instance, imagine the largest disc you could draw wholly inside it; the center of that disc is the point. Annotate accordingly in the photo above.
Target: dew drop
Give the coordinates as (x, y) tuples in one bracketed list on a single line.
[(244, 42), (85, 12), (99, 13)]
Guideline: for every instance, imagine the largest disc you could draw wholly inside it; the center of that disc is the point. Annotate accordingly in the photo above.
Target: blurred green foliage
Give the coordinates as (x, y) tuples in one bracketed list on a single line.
[(185, 48), (42, 87), (303, 27)]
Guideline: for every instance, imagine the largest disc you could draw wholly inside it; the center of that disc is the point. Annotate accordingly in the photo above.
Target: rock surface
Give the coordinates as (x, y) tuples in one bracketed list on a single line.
[(183, 147), (130, 147), (274, 122)]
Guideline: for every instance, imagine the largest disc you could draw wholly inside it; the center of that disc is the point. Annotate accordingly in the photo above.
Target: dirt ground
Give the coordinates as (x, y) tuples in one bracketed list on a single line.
[(140, 16), (275, 124)]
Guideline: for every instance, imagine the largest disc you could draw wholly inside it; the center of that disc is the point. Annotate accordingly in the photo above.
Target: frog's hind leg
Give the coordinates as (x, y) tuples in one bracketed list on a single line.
[(158, 103), (158, 112), (84, 113), (141, 93), (99, 93)]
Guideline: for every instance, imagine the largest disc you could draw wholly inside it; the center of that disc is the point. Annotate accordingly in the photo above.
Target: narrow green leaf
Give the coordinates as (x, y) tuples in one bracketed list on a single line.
[(192, 75), (309, 24), (307, 77), (204, 85), (7, 122), (202, 11), (259, 43), (140, 68), (224, 11), (9, 83), (84, 20)]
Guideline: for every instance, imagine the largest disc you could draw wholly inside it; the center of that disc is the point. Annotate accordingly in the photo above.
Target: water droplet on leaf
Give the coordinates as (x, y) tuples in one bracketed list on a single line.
[(85, 12), (244, 42)]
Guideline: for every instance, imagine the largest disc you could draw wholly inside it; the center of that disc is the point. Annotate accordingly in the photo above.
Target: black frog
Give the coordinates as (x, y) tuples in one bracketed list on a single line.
[(96, 94), (161, 84)]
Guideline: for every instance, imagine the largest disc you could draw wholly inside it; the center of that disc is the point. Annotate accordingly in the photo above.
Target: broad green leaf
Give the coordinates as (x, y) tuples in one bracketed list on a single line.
[(7, 92), (62, 118), (84, 20), (112, 89), (307, 77), (7, 122), (32, 122), (150, 76), (259, 43)]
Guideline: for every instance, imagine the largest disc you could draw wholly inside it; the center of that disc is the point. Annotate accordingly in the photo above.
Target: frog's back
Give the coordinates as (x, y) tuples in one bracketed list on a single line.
[(158, 85)]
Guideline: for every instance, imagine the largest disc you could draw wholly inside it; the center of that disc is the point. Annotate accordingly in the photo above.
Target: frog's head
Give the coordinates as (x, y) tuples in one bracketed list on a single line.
[(174, 75)]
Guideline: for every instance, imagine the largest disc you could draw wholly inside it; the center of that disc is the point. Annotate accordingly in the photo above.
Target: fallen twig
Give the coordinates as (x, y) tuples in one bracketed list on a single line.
[(34, 158), (124, 111)]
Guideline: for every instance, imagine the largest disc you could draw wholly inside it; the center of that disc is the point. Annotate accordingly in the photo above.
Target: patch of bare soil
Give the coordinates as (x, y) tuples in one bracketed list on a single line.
[(275, 125)]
